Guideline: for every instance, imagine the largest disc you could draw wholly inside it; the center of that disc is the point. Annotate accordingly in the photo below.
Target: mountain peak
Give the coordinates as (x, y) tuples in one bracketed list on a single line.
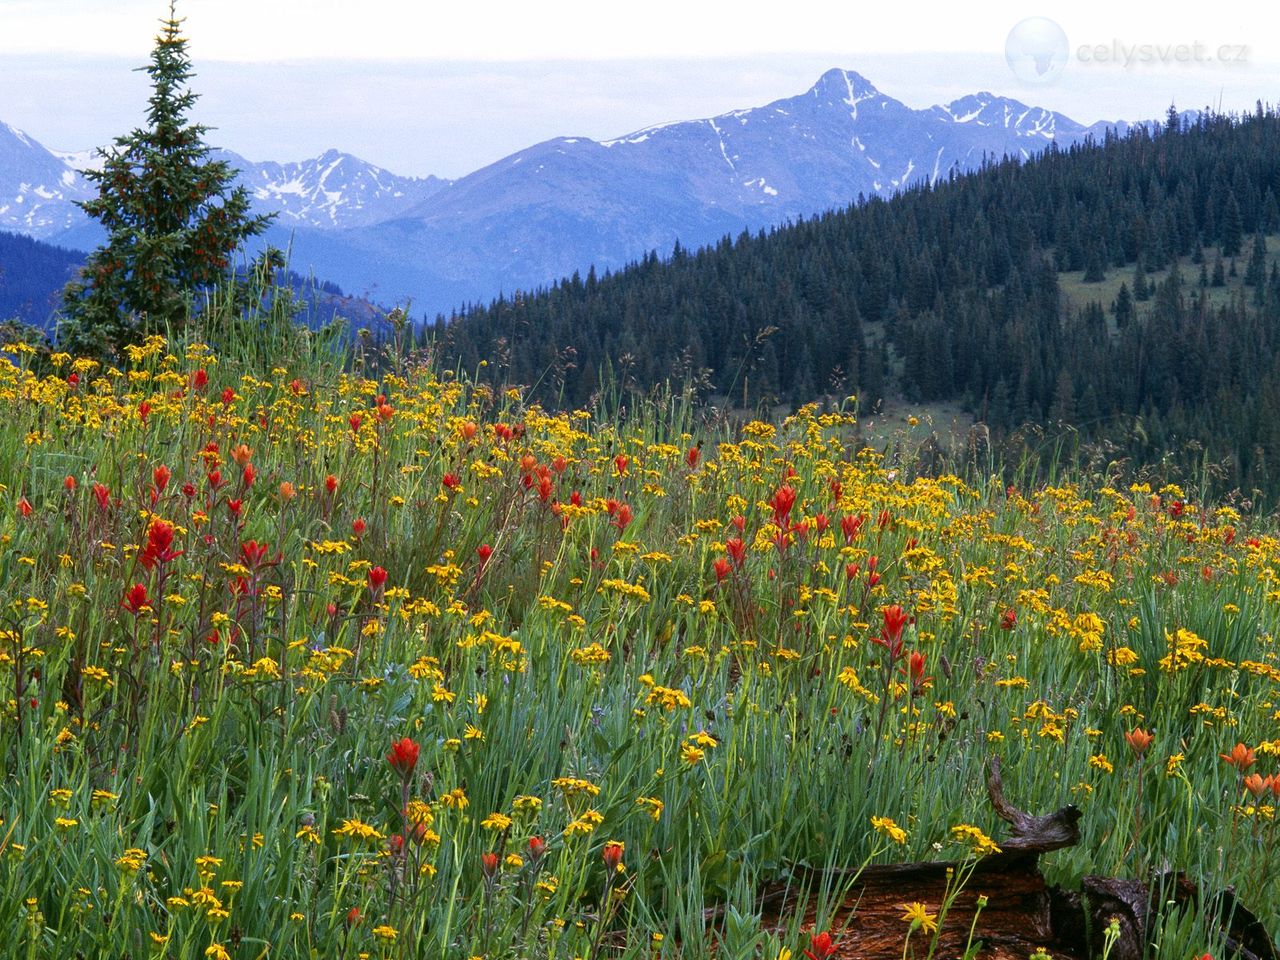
[(846, 85), (16, 134)]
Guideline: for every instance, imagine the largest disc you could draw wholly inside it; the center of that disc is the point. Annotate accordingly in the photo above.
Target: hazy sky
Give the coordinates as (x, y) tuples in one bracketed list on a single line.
[(445, 88)]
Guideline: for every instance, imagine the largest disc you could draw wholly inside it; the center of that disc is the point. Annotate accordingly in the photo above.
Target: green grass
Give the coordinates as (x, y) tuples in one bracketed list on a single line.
[(1077, 294)]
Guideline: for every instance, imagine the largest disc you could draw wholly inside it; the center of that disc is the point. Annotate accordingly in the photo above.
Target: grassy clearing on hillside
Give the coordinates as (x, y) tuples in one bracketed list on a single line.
[(296, 663), (1078, 294)]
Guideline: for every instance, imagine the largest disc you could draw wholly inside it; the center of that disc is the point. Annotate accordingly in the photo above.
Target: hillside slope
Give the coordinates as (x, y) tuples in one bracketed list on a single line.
[(952, 293)]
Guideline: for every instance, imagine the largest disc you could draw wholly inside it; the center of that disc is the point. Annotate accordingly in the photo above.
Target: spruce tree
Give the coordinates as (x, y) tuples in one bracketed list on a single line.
[(1093, 270), (1123, 307), (173, 220), (1255, 274), (1232, 228)]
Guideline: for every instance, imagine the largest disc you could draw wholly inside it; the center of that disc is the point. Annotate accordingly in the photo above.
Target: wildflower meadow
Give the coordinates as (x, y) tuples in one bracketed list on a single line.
[(309, 658)]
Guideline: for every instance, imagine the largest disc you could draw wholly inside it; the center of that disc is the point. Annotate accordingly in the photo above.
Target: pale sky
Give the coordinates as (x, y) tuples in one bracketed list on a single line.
[(446, 88)]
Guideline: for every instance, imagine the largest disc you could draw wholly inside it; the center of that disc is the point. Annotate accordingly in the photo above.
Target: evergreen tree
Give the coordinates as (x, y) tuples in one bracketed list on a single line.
[(1256, 270), (1232, 228), (1093, 271), (1122, 309), (1141, 292), (172, 219)]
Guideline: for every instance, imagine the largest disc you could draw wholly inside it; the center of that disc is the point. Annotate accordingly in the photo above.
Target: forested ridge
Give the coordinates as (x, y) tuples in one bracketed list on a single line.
[(31, 274), (958, 293)]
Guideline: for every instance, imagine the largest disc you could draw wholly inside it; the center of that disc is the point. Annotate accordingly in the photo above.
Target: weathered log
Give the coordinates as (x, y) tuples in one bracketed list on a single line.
[(1031, 834), (1021, 913)]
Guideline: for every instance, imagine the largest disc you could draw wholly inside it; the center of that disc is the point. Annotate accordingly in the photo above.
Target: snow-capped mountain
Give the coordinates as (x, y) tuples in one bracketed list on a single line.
[(332, 191), (39, 189), (570, 203)]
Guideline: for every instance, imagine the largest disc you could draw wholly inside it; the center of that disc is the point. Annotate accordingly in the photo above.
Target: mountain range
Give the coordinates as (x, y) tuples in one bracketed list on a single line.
[(571, 203)]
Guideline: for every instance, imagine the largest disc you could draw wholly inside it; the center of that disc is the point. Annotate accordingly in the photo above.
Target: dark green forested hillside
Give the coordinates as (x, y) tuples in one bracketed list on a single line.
[(31, 276), (980, 291)]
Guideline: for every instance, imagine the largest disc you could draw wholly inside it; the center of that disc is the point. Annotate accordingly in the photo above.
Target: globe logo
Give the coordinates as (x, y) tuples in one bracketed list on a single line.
[(1036, 50)]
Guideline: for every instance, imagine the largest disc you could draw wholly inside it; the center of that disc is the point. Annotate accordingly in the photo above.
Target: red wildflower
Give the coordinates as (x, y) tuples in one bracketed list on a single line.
[(537, 847), (736, 549), (377, 579), (135, 598), (254, 553), (1257, 784), (451, 482), (622, 518), (722, 568), (782, 502), (249, 475), (1009, 619), (103, 495), (612, 855), (159, 548), (160, 477), (403, 757), (1240, 757), (852, 526), (489, 864), (895, 619), (1138, 740), (821, 946), (331, 483), (916, 664), (620, 464), (692, 456), (484, 552), (200, 379), (355, 421), (69, 484), (228, 397), (24, 507), (144, 411)]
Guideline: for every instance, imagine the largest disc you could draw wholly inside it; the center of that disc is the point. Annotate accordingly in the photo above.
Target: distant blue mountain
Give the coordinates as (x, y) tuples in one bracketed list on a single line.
[(570, 203)]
